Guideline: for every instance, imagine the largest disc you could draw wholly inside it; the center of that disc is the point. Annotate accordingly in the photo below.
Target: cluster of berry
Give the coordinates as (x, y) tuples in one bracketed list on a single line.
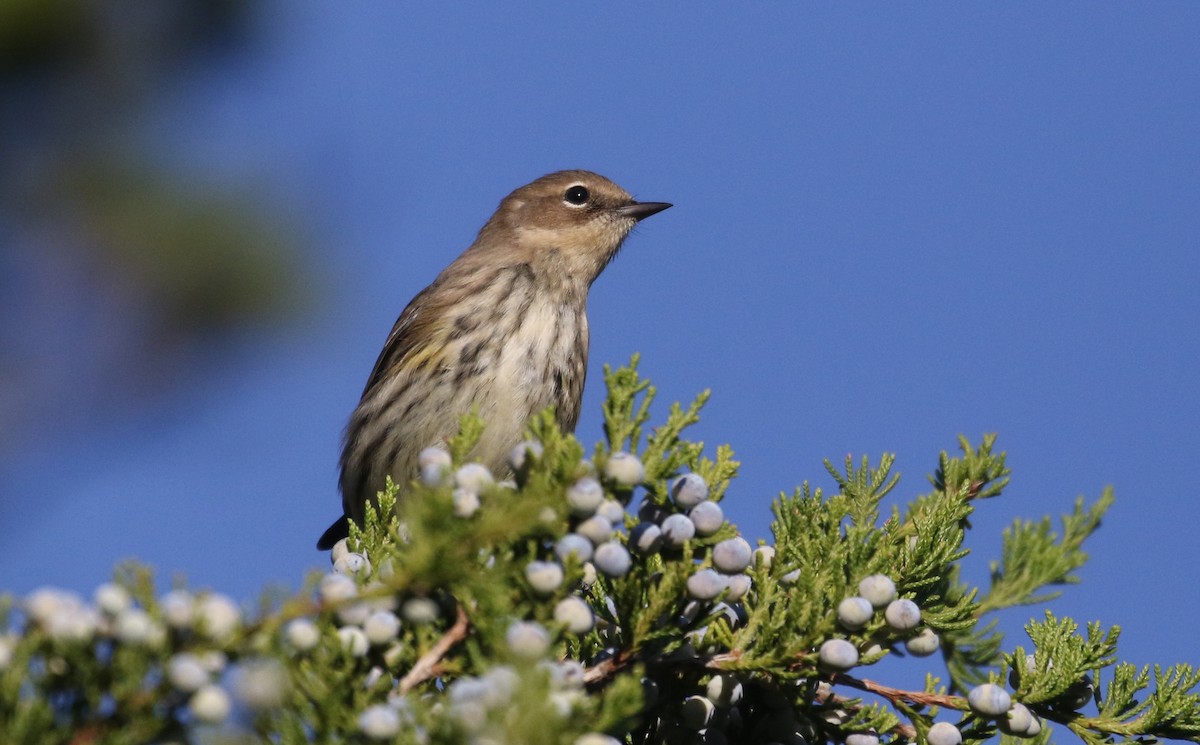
[(197, 630)]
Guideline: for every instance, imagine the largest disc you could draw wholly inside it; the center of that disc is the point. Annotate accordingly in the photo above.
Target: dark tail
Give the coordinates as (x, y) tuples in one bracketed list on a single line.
[(336, 532)]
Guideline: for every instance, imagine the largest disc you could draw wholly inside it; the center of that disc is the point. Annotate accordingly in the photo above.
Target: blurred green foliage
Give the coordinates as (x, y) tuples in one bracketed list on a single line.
[(100, 226), (207, 259)]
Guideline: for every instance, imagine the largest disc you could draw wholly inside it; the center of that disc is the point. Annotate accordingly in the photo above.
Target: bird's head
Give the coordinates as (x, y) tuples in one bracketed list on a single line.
[(572, 221)]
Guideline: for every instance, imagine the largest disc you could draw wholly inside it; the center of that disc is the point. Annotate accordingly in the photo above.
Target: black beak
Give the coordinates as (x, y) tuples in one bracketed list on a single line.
[(642, 210)]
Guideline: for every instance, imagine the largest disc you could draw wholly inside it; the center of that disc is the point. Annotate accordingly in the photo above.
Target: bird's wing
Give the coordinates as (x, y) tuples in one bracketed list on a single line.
[(403, 340)]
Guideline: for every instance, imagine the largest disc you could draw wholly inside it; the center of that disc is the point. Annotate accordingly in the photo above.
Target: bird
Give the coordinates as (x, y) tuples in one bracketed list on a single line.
[(501, 331)]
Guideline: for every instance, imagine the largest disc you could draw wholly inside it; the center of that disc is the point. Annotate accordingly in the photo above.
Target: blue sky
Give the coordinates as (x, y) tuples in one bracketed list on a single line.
[(893, 224)]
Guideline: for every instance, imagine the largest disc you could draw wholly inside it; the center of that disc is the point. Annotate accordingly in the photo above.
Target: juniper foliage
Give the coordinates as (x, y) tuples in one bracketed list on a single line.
[(463, 617)]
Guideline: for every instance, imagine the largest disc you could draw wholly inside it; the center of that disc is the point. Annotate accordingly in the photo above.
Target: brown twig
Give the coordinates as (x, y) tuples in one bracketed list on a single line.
[(426, 667), (602, 671), (920, 698), (610, 667)]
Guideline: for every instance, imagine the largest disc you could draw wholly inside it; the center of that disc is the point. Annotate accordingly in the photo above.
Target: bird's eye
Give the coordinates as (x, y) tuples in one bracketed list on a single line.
[(577, 195)]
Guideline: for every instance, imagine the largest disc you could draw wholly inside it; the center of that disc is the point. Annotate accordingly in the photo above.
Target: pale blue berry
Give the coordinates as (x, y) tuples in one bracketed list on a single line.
[(705, 584), (353, 614), (612, 511), (434, 463), (689, 490), (989, 700), (584, 497), (589, 575), (186, 673), (301, 634), (474, 477), (434, 456), (677, 530), (218, 615), (353, 640), (739, 585), (902, 615), (1018, 721), (501, 682), (838, 654), (732, 556), (112, 598), (45, 602), (763, 556), (379, 722), (352, 564), (381, 627), (466, 502), (520, 454), (527, 639), (135, 627), (78, 625), (1078, 695), (878, 589), (923, 644), (596, 529), (420, 611), (697, 712), (336, 588), (575, 614), (862, 738), (340, 549), (210, 705), (544, 576), (1035, 726), (435, 475), (178, 609), (708, 517), (943, 733), (612, 559), (467, 689), (573, 543), (646, 538), (724, 690), (261, 683), (624, 469), (567, 674), (854, 613)]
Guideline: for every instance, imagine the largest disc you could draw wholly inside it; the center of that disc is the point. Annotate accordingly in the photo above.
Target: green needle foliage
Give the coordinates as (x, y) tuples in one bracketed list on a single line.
[(515, 611)]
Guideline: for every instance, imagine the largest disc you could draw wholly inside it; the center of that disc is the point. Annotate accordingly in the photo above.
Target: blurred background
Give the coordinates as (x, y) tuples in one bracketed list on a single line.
[(893, 225)]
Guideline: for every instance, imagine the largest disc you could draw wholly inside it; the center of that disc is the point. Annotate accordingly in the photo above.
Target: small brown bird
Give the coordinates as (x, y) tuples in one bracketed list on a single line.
[(503, 331)]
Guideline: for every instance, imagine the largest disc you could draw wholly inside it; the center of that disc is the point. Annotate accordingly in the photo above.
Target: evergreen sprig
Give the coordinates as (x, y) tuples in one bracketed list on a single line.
[(517, 611)]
